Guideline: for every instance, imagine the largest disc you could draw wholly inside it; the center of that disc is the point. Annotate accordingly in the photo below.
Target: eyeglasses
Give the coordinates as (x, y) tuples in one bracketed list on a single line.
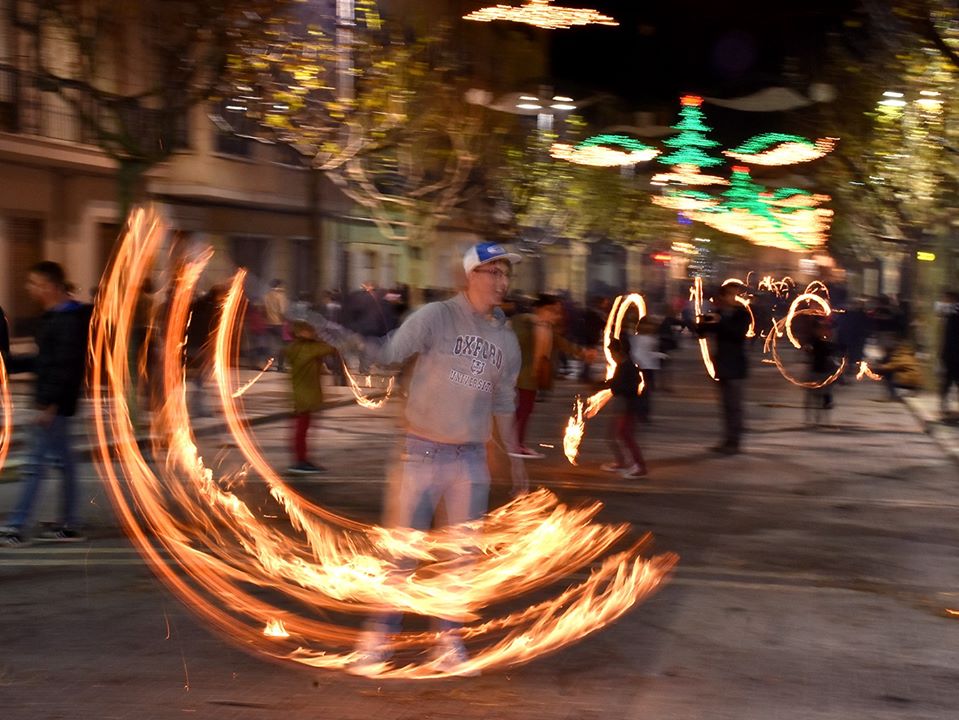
[(495, 273)]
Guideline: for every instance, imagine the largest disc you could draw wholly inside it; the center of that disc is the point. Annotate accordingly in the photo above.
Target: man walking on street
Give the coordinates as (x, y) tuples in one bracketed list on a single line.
[(4, 338), (730, 325), (59, 367), (950, 350)]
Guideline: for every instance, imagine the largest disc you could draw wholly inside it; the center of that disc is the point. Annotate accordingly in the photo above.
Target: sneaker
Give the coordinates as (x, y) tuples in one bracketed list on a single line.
[(526, 453), (303, 468), (59, 533), (372, 654), (449, 655), (634, 472), (612, 467), (10, 537), (315, 469)]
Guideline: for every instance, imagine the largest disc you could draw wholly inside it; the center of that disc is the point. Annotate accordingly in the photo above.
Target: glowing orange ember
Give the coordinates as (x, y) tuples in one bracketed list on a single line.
[(6, 427), (696, 295), (866, 371), (238, 567), (785, 325)]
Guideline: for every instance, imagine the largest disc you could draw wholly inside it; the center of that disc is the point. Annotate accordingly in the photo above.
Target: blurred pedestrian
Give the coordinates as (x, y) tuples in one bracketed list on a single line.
[(305, 355), (900, 369), (275, 308), (627, 406), (59, 368), (822, 364), (204, 316), (644, 352), (540, 345), (729, 324), (949, 354), (4, 338), (463, 378)]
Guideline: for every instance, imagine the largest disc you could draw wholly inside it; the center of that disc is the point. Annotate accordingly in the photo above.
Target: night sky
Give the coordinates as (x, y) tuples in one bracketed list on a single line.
[(723, 48)]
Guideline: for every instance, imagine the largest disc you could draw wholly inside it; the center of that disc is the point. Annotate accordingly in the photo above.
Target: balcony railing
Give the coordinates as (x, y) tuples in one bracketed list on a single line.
[(28, 110)]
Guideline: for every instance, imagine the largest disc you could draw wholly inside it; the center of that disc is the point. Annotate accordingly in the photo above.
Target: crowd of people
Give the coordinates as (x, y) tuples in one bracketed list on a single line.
[(554, 336)]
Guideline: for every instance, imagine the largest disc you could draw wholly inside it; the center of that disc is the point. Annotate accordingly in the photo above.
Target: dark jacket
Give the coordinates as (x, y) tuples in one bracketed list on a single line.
[(730, 331), (60, 362), (4, 337), (624, 383), (950, 340)]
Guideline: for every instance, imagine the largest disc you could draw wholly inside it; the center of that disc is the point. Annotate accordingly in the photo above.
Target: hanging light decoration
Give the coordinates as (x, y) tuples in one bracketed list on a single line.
[(605, 151), (687, 175), (781, 149), (542, 14)]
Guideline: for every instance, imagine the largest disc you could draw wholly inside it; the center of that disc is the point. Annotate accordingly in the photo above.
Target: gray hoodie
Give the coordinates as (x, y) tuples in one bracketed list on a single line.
[(465, 370)]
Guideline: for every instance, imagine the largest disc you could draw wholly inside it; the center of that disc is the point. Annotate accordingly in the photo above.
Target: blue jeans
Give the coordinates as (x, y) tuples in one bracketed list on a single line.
[(55, 442), (434, 476)]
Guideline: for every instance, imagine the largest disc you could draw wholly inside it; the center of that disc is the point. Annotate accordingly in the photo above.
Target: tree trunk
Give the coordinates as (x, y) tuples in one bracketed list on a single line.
[(130, 188), (315, 208)]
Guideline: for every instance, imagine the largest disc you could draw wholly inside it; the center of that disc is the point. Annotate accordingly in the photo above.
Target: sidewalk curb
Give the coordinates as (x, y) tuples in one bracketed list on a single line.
[(933, 428)]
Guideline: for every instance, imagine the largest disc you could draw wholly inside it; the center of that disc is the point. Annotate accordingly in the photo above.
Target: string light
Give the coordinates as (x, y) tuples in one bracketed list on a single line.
[(605, 151), (781, 149), (687, 175), (542, 14)]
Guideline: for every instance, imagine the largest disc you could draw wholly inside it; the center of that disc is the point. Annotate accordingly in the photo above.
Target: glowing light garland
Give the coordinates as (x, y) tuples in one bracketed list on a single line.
[(696, 295), (787, 218), (746, 210), (542, 14), (773, 149), (605, 151), (219, 555)]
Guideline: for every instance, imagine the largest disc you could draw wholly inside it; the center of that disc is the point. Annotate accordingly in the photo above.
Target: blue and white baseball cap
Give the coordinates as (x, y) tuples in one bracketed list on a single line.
[(487, 252)]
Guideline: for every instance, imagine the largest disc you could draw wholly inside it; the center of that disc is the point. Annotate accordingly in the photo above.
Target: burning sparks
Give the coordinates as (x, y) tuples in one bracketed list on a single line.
[(241, 571), (866, 371), (361, 399), (696, 295), (275, 629), (6, 428), (576, 425), (785, 324)]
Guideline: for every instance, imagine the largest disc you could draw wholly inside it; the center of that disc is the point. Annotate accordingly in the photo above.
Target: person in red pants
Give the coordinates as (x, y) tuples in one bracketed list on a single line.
[(540, 345), (626, 402)]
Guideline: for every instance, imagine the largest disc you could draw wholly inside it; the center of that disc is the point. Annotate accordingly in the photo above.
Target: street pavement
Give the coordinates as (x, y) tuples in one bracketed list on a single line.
[(815, 577)]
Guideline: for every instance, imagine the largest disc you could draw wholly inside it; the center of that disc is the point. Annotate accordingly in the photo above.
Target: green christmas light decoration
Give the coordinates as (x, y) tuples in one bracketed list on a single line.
[(605, 150), (781, 149), (689, 148), (787, 218)]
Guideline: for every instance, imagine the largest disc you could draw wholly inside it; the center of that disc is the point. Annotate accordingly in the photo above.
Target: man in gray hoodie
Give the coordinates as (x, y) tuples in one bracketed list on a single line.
[(464, 378)]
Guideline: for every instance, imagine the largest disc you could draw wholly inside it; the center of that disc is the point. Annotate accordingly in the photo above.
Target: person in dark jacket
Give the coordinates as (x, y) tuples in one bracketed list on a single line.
[(949, 353), (4, 338), (627, 401), (729, 326), (59, 366)]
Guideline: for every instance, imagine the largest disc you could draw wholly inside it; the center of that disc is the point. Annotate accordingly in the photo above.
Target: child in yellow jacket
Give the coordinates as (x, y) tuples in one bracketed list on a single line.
[(304, 356)]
